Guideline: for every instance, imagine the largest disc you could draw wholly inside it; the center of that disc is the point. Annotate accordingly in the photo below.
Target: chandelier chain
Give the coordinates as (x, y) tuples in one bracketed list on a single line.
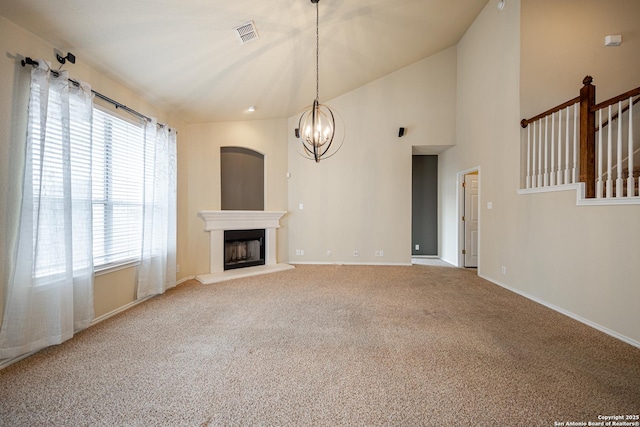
[(317, 53)]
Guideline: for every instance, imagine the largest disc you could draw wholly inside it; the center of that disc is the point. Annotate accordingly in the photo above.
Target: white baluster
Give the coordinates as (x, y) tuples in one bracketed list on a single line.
[(534, 164), (528, 178), (534, 181), (566, 153), (553, 151), (574, 177), (619, 180), (599, 178), (540, 153), (609, 158), (559, 169), (631, 185), (546, 151)]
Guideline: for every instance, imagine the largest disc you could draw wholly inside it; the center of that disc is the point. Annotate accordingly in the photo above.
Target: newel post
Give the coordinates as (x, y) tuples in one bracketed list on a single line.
[(588, 137)]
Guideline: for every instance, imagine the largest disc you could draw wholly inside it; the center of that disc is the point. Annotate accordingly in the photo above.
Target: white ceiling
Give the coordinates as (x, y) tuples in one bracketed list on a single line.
[(185, 55)]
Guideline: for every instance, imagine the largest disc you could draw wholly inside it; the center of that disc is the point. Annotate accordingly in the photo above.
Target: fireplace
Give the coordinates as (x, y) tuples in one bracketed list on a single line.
[(217, 223), (243, 248)]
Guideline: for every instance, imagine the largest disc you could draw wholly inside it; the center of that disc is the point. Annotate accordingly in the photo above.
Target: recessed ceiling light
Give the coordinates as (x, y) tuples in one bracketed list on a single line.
[(251, 109), (501, 4)]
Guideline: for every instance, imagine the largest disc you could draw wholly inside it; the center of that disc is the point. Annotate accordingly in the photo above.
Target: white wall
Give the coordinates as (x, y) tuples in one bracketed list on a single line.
[(360, 199), (487, 133), (580, 260)]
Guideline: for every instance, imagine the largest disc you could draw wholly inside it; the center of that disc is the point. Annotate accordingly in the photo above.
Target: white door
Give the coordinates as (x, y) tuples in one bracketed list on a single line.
[(471, 220)]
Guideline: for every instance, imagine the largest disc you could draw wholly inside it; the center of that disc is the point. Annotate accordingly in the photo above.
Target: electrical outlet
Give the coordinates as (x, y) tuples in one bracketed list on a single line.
[(356, 253), (329, 252), (417, 247), (504, 270), (299, 252), (381, 252), (302, 252)]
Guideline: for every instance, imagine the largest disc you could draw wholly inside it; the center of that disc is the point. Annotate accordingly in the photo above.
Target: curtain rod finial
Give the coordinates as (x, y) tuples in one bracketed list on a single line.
[(28, 61)]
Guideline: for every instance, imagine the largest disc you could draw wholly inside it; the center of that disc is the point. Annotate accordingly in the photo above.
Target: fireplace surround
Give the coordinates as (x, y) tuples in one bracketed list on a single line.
[(217, 222)]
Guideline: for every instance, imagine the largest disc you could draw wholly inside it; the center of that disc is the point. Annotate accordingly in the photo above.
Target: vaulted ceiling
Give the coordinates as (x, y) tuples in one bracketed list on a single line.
[(186, 55)]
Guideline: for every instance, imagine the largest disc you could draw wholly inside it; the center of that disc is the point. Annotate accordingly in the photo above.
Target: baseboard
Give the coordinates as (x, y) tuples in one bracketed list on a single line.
[(131, 304), (185, 279), (118, 310), (7, 362), (567, 313)]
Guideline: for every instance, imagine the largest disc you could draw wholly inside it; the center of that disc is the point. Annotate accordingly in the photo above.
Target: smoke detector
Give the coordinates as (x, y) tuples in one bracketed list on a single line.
[(247, 32)]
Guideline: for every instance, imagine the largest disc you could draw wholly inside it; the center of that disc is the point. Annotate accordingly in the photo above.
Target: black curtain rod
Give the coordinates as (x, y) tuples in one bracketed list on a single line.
[(29, 61)]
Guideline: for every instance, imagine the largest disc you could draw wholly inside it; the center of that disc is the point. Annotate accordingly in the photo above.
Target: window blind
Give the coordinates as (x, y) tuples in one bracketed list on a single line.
[(118, 190)]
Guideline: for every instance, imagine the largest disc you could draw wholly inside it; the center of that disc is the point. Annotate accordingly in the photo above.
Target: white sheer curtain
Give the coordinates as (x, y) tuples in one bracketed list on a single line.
[(50, 293), (157, 271)]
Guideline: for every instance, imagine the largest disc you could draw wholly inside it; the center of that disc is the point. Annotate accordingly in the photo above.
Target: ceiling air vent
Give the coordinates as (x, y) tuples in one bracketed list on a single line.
[(247, 32)]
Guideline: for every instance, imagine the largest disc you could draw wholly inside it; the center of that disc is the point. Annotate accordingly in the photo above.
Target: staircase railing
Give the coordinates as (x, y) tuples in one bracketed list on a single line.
[(566, 145)]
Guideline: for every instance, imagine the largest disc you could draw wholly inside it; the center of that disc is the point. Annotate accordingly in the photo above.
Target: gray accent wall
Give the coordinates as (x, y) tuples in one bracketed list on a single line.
[(241, 179), (424, 211)]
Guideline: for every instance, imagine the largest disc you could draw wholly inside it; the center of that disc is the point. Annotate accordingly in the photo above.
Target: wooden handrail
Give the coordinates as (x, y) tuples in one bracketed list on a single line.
[(615, 99), (624, 110), (525, 122)]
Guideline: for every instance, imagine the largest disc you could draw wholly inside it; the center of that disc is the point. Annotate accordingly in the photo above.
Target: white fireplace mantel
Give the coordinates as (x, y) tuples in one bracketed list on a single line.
[(216, 222), (241, 220)]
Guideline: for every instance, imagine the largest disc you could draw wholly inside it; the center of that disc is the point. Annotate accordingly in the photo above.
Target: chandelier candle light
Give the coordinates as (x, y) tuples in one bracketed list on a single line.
[(317, 124)]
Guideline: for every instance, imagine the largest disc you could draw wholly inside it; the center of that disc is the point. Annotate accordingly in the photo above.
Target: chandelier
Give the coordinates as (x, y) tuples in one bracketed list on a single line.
[(317, 123)]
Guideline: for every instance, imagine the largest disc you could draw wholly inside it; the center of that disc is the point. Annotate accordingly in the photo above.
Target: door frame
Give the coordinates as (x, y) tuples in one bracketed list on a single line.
[(460, 212)]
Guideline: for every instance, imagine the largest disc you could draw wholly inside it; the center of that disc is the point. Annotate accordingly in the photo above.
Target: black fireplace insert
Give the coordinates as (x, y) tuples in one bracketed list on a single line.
[(243, 248)]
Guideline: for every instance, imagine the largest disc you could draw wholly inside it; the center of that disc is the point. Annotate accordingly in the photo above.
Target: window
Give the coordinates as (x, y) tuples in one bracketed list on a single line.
[(116, 163), (106, 156), (118, 190)]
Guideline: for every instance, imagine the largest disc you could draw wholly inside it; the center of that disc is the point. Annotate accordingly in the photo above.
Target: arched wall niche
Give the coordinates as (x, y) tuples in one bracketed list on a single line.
[(241, 179)]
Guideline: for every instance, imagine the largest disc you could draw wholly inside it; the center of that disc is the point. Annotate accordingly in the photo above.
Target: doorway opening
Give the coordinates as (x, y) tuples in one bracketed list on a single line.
[(424, 206), (469, 218)]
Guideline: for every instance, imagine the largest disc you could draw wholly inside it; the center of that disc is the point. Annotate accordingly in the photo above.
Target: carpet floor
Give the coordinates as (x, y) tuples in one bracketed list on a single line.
[(329, 345)]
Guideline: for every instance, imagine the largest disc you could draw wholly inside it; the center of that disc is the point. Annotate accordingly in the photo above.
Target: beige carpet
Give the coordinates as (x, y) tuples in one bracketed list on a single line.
[(329, 345)]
